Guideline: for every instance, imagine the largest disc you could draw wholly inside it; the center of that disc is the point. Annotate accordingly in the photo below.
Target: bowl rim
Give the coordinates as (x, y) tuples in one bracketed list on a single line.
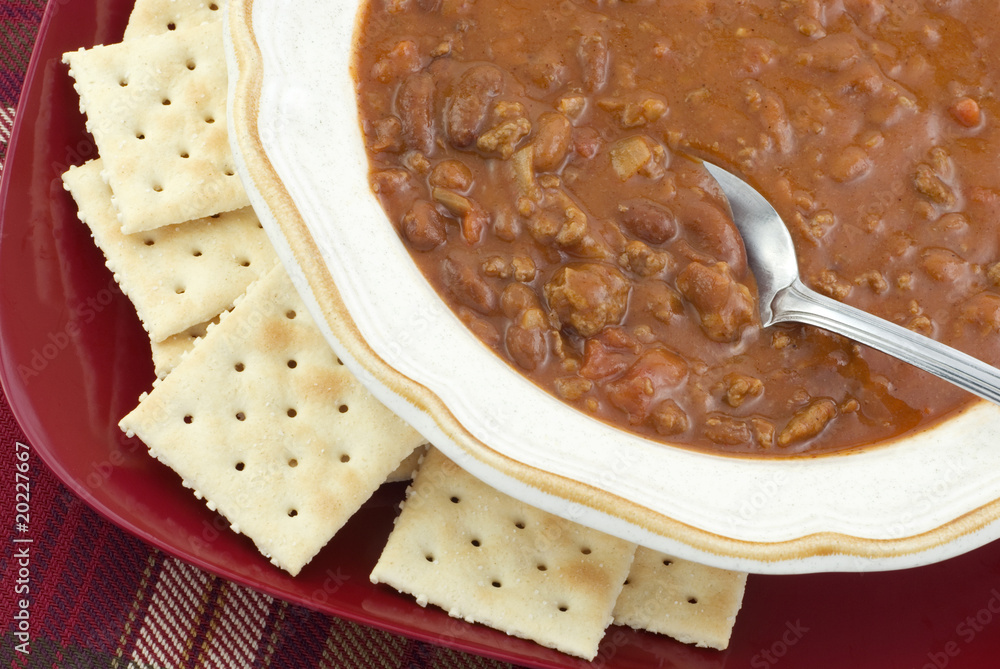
[(290, 231)]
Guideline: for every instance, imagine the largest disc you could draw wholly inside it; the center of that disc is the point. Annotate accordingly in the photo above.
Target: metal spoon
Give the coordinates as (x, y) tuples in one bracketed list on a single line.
[(783, 297)]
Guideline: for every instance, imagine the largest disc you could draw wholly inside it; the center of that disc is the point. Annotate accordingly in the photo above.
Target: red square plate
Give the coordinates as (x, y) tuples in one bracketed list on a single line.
[(74, 360)]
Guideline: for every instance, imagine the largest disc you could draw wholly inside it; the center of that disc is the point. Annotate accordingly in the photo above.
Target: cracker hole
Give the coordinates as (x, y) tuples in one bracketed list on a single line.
[(345, 458), (240, 416), (292, 413), (239, 367), (343, 408), (148, 241), (429, 557), (240, 466), (496, 584), (196, 253), (185, 154), (585, 550), (171, 26), (188, 419), (542, 567), (292, 513), (290, 314), (292, 364), (476, 543), (627, 582), (244, 263), (191, 65), (692, 600), (209, 119), (213, 7), (293, 463), (165, 102), (123, 83), (339, 361), (519, 525), (563, 608), (157, 188), (667, 562), (216, 216), (140, 135), (179, 290), (228, 172), (455, 500)]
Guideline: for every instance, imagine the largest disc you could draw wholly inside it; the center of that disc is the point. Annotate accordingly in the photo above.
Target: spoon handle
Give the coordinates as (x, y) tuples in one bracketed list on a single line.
[(800, 304)]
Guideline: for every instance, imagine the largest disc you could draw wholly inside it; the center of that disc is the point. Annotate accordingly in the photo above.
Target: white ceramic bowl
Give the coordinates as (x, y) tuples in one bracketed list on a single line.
[(295, 130)]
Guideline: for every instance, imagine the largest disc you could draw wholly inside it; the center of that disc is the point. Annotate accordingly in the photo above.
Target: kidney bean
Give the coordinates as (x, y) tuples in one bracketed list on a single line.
[(415, 107), (468, 106), (468, 287), (553, 137), (424, 226), (518, 298), (635, 392), (647, 220), (451, 174), (710, 229), (586, 142), (526, 346)]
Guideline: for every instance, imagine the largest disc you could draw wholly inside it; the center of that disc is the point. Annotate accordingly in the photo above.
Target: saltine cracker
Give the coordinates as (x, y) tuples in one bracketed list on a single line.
[(262, 420), (486, 557), (176, 276), (156, 107)]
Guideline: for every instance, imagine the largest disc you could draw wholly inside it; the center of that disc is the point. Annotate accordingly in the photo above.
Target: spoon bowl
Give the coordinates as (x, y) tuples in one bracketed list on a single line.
[(783, 297)]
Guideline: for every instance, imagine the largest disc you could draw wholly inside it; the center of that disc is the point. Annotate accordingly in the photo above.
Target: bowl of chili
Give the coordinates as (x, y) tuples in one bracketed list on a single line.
[(491, 211)]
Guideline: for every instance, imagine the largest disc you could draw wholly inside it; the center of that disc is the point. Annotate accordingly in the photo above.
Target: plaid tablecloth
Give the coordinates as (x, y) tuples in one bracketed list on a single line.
[(102, 598)]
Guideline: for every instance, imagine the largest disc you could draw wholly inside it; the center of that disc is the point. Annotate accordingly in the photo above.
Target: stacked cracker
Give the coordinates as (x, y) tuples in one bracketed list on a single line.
[(251, 407), (255, 412)]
